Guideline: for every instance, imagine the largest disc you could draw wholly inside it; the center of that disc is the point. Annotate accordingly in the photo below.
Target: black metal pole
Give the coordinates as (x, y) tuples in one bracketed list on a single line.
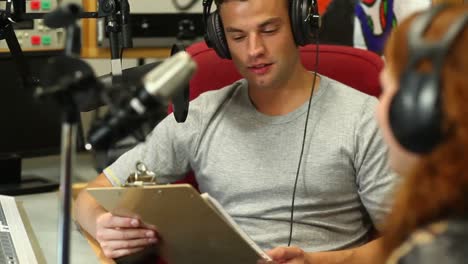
[(114, 30), (68, 153)]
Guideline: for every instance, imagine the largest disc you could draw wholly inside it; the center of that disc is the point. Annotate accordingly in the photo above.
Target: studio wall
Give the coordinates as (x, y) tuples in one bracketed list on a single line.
[(365, 23)]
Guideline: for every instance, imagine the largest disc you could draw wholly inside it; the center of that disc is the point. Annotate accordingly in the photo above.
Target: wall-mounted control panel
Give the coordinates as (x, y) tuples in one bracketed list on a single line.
[(33, 34)]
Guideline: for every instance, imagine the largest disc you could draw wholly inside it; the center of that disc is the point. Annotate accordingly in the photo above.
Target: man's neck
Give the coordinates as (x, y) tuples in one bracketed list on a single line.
[(283, 99)]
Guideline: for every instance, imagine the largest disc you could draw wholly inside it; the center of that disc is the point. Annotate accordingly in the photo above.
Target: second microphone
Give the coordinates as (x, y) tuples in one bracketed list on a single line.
[(159, 86)]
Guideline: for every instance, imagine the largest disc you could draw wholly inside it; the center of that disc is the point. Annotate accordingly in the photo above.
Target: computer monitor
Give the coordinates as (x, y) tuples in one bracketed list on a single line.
[(29, 127)]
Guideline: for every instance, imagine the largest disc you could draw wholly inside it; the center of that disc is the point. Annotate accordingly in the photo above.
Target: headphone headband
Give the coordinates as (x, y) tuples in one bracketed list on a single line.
[(416, 109), (419, 48), (303, 14)]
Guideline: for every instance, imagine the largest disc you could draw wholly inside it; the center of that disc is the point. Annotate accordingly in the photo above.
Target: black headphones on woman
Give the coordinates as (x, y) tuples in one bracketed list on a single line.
[(305, 21), (416, 110)]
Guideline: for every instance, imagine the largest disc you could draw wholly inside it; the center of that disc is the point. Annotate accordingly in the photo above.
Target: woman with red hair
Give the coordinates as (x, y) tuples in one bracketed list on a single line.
[(423, 114)]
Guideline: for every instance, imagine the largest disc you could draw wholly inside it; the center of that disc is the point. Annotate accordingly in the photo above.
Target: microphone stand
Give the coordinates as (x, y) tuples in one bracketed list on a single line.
[(68, 154), (70, 120), (117, 13), (64, 87)]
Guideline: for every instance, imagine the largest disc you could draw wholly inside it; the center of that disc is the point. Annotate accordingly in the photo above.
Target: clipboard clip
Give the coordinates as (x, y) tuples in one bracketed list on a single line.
[(141, 177)]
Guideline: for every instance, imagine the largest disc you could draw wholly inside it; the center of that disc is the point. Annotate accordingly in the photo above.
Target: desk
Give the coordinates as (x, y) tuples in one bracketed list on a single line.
[(42, 210)]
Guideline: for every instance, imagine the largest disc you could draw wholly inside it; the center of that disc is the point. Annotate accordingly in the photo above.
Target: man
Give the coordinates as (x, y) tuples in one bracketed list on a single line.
[(244, 143)]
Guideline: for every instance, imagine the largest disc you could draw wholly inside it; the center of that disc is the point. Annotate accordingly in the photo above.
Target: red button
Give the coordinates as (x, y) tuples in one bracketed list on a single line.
[(35, 5), (35, 40)]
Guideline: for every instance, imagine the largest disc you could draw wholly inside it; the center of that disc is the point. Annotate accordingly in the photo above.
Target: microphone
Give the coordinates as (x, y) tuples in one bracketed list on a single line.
[(66, 17), (63, 16), (159, 86)]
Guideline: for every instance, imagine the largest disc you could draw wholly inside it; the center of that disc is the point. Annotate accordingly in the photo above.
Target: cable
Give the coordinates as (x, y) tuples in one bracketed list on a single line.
[(184, 7), (303, 139)]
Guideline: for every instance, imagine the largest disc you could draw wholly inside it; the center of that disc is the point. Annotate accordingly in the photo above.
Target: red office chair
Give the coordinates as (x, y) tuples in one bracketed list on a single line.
[(356, 68)]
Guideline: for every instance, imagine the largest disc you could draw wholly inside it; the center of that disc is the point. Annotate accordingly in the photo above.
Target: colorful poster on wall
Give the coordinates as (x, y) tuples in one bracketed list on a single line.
[(364, 23), (375, 19)]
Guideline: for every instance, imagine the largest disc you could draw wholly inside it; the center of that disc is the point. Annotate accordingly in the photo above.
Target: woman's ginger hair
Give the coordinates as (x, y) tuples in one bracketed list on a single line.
[(437, 186)]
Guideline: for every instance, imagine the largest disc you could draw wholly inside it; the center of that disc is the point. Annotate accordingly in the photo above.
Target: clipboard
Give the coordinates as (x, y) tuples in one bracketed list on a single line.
[(193, 228)]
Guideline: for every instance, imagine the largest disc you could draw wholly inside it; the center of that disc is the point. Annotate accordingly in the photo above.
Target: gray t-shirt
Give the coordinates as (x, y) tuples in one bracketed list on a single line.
[(248, 162)]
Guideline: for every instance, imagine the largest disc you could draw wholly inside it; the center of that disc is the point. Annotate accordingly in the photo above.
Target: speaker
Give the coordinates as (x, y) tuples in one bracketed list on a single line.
[(305, 21), (415, 113)]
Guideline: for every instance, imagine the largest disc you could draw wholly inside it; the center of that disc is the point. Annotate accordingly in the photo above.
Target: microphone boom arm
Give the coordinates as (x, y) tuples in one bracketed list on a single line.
[(7, 32)]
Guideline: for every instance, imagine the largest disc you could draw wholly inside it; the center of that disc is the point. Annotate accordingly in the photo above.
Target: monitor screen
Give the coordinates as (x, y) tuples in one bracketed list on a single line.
[(29, 127)]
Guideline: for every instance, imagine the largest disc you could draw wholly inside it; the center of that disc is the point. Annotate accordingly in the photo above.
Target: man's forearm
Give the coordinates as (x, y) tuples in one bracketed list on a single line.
[(86, 211), (370, 253)]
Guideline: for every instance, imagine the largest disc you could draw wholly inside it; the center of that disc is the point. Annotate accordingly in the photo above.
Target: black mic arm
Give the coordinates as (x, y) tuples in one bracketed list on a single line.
[(7, 32), (117, 14), (20, 9), (127, 41)]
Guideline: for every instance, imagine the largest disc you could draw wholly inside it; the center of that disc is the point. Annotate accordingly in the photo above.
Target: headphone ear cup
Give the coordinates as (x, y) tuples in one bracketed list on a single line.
[(215, 37), (299, 13), (415, 112)]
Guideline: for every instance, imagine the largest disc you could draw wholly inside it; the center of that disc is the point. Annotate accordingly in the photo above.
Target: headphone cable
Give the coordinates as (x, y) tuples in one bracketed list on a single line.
[(303, 139)]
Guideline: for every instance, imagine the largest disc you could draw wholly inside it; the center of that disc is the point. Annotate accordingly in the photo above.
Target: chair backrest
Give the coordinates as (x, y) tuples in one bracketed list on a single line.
[(354, 67)]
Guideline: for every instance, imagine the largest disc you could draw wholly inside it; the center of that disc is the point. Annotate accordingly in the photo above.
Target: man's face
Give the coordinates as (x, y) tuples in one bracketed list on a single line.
[(260, 40)]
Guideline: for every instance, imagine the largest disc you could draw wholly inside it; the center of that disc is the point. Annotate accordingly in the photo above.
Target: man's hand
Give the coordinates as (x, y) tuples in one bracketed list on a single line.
[(288, 255), (121, 236), (368, 253)]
